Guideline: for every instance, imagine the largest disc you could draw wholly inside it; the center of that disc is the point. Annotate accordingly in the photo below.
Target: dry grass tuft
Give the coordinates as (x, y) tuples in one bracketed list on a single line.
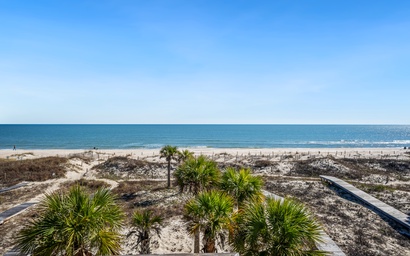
[(131, 187), (41, 169), (125, 167), (154, 195), (89, 185)]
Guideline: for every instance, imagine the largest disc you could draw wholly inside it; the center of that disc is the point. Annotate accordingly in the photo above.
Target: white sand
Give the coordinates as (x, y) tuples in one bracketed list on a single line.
[(4, 153), (174, 236)]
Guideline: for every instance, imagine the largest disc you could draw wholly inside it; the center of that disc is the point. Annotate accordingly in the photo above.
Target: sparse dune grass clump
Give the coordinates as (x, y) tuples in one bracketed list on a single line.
[(263, 163), (121, 167), (85, 157), (40, 169), (131, 187), (375, 170), (88, 185), (152, 195)]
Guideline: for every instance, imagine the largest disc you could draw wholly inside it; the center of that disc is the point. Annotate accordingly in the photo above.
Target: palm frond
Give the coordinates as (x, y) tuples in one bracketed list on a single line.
[(209, 211), (146, 222), (242, 185), (72, 222), (276, 227)]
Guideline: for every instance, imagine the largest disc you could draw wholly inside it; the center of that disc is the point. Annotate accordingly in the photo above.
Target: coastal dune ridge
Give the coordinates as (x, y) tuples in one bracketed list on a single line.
[(138, 178)]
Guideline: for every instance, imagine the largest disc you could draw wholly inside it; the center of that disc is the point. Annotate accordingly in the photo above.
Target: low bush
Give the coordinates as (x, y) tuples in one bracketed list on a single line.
[(40, 169)]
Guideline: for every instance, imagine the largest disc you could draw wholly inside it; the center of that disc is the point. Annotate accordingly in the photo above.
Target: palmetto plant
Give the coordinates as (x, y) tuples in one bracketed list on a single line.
[(146, 223), (74, 223), (184, 155), (196, 174), (209, 212), (169, 153), (242, 185), (276, 227)]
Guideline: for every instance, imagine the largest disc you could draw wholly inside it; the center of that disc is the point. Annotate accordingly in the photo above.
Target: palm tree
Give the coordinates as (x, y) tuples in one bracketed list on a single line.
[(169, 153), (196, 174), (184, 155), (146, 222), (74, 223), (210, 213), (242, 185), (276, 227)]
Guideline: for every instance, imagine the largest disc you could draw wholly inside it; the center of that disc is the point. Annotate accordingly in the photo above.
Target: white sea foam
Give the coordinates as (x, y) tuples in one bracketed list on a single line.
[(355, 142), (153, 146), (132, 145)]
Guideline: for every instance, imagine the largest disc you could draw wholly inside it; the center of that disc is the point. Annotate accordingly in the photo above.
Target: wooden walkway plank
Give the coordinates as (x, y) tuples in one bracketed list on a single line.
[(14, 187), (14, 252), (327, 244), (367, 199), (14, 211)]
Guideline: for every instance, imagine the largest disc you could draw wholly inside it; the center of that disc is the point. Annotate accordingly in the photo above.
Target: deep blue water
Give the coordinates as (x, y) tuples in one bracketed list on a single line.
[(214, 136)]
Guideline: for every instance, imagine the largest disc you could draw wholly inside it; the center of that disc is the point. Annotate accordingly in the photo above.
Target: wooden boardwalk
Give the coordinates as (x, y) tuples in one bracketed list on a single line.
[(14, 252), (14, 211), (327, 245), (371, 201), (14, 187)]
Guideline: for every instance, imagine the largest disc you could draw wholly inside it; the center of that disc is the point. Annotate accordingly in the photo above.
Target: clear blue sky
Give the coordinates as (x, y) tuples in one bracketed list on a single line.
[(274, 62)]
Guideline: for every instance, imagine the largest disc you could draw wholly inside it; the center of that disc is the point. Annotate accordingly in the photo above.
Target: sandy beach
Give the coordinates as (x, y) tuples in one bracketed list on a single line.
[(365, 152), (299, 101), (138, 177)]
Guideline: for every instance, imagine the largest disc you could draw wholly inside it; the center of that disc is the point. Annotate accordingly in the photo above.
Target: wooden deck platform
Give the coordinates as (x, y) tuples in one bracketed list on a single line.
[(328, 245), (14, 211), (371, 201)]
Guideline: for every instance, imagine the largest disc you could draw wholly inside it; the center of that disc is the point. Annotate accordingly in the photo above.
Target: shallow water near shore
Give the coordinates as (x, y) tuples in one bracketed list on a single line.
[(203, 136)]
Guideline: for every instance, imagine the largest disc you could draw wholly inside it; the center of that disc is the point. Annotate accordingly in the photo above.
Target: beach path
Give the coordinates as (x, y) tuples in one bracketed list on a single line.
[(14, 211), (14, 187), (374, 203)]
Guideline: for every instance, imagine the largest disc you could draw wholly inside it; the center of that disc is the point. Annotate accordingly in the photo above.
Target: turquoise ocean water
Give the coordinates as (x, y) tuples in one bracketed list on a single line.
[(197, 136)]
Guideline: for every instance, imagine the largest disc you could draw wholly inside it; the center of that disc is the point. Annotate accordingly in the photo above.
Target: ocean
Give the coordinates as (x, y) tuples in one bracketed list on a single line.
[(203, 136)]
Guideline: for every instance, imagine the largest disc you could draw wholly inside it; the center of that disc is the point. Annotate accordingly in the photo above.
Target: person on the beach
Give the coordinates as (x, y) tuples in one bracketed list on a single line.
[(14, 147)]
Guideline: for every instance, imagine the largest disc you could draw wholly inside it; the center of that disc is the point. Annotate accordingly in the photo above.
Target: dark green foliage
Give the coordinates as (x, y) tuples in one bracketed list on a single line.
[(169, 153), (275, 227), (74, 223), (197, 174), (146, 223), (184, 155), (242, 185), (209, 212)]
